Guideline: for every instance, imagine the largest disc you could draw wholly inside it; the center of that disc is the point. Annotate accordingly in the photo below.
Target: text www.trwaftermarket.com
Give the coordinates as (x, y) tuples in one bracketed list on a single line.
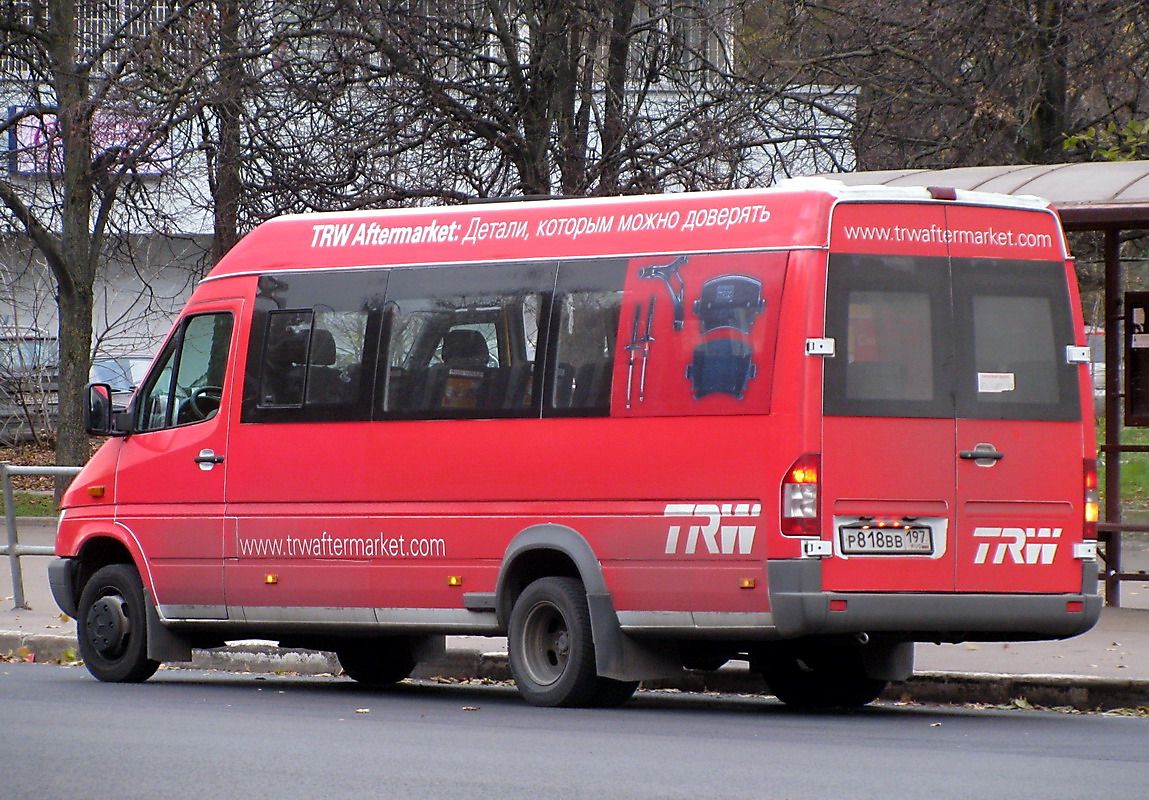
[(935, 234), (328, 546)]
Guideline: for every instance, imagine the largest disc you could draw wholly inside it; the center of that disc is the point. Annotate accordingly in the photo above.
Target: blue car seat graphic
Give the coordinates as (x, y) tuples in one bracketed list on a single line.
[(721, 366)]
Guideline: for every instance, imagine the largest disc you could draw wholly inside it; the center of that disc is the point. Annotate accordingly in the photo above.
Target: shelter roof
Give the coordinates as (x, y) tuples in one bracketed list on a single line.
[(1088, 196)]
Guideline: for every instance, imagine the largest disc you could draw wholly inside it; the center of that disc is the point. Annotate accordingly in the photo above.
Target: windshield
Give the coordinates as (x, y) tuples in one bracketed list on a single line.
[(20, 355)]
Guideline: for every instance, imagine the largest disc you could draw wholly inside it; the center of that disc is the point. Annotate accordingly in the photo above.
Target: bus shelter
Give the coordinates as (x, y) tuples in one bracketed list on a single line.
[(1109, 198)]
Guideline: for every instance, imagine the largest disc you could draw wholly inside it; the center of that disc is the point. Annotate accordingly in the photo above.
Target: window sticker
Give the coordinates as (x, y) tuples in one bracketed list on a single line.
[(995, 382)]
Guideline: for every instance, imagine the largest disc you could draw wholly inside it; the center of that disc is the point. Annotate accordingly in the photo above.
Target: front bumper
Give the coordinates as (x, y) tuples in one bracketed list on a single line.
[(62, 580)]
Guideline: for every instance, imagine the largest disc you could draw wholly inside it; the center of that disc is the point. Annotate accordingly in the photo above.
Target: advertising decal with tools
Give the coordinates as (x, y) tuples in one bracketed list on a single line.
[(697, 334)]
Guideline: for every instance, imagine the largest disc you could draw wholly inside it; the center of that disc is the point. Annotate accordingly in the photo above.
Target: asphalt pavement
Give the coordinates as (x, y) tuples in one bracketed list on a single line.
[(1105, 668)]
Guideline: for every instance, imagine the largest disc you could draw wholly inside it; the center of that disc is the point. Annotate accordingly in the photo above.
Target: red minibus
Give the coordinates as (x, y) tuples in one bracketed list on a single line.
[(805, 427)]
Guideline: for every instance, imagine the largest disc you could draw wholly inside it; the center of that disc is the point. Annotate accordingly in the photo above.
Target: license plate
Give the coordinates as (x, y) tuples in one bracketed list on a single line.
[(912, 540)]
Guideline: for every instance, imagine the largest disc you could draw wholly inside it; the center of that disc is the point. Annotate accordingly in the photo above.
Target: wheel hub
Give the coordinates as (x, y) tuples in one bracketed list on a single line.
[(549, 643), (108, 626)]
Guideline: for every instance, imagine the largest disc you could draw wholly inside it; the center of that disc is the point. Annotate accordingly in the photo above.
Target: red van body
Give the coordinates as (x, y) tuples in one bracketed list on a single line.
[(805, 426)]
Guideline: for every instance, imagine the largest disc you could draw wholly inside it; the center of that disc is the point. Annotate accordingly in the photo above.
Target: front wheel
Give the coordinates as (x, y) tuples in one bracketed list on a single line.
[(112, 626)]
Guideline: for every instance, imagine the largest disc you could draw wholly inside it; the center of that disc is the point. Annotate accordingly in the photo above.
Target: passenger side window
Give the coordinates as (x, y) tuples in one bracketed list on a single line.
[(313, 347), (187, 385), (313, 358), (588, 301), (463, 341)]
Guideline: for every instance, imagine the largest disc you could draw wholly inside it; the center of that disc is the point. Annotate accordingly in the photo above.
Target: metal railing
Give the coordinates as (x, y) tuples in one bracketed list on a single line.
[(14, 550), (1109, 535)]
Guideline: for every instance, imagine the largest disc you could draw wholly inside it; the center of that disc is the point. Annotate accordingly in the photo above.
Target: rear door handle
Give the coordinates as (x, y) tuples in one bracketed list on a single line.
[(983, 452)]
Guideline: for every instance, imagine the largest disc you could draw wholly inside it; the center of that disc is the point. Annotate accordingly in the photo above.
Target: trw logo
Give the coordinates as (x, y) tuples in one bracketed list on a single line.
[(1020, 545), (722, 532)]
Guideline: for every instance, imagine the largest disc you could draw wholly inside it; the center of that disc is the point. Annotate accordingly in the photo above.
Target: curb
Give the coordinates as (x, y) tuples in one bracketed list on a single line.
[(1083, 693)]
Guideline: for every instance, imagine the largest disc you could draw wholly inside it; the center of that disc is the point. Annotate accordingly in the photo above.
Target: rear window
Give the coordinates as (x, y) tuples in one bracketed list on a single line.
[(938, 337)]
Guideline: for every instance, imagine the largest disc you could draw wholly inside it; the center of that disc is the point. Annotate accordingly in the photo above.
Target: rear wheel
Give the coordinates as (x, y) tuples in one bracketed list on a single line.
[(551, 648), (817, 676), (610, 693), (375, 662), (112, 626)]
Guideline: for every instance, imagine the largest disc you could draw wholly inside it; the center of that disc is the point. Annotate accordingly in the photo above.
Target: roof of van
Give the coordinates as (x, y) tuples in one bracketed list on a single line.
[(792, 214)]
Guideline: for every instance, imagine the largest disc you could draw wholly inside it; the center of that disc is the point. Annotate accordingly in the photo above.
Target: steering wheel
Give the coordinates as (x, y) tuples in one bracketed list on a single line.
[(205, 401)]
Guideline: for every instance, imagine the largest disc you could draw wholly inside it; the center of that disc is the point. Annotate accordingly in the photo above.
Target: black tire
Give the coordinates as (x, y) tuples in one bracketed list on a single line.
[(610, 693), (551, 646), (375, 662), (112, 626), (815, 677)]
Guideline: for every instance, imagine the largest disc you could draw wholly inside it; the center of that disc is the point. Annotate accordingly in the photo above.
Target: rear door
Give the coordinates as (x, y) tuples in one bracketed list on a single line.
[(1018, 401), (952, 449), (888, 468)]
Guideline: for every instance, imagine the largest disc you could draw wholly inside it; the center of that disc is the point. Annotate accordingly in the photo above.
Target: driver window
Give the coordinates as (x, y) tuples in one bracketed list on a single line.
[(186, 385)]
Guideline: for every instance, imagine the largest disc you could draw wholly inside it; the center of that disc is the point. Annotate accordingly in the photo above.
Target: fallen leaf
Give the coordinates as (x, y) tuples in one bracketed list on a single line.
[(470, 708), (362, 711)]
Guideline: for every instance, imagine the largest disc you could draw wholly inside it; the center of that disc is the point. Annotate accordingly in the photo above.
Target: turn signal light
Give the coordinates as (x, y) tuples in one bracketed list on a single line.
[(454, 580), (800, 497), (1092, 499)]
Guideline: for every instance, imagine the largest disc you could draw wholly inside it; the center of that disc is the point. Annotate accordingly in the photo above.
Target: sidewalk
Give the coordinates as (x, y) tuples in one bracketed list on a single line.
[(1107, 667)]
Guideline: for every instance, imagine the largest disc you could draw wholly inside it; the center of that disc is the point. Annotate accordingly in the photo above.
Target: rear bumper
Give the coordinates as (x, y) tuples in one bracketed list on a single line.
[(801, 608)]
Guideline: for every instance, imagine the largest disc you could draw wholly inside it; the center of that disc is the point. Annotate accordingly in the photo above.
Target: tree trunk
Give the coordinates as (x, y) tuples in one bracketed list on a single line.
[(614, 122), (226, 186), (75, 308), (1042, 134), (74, 269)]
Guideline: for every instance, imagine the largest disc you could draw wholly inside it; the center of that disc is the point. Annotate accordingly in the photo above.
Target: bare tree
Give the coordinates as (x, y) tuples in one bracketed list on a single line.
[(954, 84), (374, 102), (103, 86)]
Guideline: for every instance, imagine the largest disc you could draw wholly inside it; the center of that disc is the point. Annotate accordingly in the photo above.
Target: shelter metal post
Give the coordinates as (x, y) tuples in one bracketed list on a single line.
[(1112, 447)]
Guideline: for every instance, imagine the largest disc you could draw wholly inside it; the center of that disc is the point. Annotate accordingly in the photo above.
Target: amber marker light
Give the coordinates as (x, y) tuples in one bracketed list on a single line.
[(454, 580), (271, 580), (748, 583), (96, 491)]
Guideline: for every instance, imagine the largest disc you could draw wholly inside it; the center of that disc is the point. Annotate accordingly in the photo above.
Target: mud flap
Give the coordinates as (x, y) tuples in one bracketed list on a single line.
[(164, 645), (623, 657)]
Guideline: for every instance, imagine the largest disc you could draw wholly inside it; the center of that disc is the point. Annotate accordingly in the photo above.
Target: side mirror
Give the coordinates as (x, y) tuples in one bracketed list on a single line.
[(98, 417)]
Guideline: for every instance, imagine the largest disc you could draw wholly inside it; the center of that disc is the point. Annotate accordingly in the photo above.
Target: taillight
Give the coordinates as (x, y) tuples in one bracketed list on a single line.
[(1092, 499), (800, 497)]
